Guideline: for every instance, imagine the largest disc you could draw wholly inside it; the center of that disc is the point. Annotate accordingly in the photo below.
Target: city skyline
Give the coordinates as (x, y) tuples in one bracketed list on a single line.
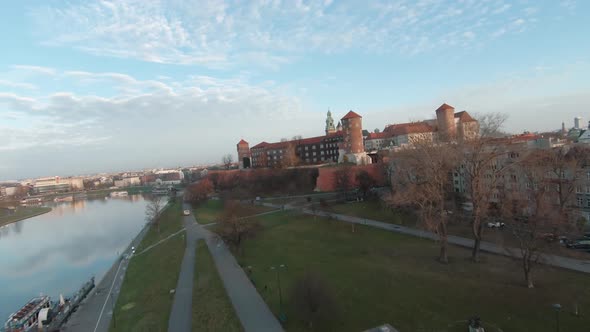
[(139, 85)]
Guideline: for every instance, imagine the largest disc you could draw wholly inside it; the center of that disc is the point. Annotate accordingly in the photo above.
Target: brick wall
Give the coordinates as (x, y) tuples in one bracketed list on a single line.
[(326, 180)]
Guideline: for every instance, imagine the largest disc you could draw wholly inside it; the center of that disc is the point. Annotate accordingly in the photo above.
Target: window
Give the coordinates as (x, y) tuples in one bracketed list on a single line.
[(314, 154), (578, 189), (306, 147), (580, 201), (587, 189), (321, 146)]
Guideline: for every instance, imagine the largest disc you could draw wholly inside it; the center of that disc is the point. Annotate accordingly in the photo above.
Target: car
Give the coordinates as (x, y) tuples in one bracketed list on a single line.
[(579, 244), (186, 212), (496, 224)]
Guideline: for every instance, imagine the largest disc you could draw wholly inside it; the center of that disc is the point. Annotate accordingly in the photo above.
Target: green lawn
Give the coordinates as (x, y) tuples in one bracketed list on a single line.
[(145, 301), (210, 211), (212, 309), (375, 210), (381, 277), (23, 212)]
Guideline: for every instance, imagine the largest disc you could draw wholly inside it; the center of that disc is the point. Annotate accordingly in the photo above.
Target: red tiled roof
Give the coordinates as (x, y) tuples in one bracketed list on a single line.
[(351, 115), (260, 145), (463, 116), (409, 128), (311, 140), (242, 142), (445, 106), (380, 135)]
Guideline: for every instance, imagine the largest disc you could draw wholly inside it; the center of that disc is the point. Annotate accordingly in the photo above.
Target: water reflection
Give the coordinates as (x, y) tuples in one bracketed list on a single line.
[(56, 252)]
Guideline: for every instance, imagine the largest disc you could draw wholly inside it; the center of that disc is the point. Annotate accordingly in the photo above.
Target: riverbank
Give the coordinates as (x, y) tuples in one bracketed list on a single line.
[(22, 213)]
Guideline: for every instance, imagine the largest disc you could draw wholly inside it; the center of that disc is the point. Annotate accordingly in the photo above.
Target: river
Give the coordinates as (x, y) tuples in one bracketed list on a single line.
[(55, 253)]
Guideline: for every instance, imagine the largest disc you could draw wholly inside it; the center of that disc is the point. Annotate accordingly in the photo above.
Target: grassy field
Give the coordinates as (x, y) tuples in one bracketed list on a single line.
[(212, 309), (210, 211), (380, 277), (23, 212), (145, 301), (373, 210)]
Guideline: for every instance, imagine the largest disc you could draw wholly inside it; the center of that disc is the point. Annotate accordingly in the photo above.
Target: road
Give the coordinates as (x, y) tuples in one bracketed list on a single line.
[(252, 311), (552, 260), (96, 311)]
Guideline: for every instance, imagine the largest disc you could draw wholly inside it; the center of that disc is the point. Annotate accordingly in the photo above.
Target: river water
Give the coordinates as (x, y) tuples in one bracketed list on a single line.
[(55, 253)]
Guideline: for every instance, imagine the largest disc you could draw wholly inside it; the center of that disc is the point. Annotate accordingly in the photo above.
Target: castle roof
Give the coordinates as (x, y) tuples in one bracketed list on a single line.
[(380, 135), (409, 128), (241, 142), (351, 115), (463, 116), (445, 107)]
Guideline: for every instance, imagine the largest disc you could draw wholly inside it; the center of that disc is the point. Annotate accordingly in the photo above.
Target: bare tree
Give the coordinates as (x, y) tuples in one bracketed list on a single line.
[(233, 228), (313, 300), (227, 160), (530, 213), (420, 180), (342, 178), (153, 211), (482, 171)]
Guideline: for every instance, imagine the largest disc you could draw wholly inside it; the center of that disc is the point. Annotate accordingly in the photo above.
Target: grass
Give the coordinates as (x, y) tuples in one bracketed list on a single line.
[(373, 209), (377, 277), (145, 301), (23, 212), (212, 309), (210, 211)]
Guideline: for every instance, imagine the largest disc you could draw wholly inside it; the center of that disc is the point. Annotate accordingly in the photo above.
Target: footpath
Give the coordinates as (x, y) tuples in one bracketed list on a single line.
[(552, 260), (96, 311), (252, 311)]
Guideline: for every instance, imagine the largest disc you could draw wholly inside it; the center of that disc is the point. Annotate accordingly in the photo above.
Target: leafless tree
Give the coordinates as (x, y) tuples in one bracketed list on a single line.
[(482, 171), (342, 178), (233, 228), (530, 213), (421, 180), (313, 300), (227, 160), (154, 210)]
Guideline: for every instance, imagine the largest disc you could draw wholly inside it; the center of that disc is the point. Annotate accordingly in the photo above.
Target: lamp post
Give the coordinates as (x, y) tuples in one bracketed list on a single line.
[(281, 313), (557, 308)]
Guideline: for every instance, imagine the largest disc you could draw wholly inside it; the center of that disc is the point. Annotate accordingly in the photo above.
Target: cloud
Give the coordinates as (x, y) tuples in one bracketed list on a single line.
[(223, 34), (40, 70), (17, 85)]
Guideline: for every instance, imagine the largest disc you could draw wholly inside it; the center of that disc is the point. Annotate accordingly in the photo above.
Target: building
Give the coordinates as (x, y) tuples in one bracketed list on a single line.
[(128, 182), (330, 128), (244, 154), (352, 149), (378, 141), (49, 185)]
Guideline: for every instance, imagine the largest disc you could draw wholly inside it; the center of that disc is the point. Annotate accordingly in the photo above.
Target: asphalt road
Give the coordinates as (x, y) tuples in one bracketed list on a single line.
[(552, 260), (252, 311)]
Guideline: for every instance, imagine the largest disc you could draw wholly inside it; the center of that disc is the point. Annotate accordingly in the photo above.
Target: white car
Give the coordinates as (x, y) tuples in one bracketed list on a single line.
[(186, 212)]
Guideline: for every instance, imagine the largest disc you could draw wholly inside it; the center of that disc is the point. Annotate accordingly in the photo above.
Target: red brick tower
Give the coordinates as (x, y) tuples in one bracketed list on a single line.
[(445, 118), (352, 127), (244, 154)]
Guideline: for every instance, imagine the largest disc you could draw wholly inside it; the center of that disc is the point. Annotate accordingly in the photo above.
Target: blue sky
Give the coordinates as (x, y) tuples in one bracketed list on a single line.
[(89, 86)]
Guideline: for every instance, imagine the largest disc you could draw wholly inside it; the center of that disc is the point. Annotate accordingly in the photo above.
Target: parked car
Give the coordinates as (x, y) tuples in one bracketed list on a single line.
[(186, 212), (579, 244), (496, 224)]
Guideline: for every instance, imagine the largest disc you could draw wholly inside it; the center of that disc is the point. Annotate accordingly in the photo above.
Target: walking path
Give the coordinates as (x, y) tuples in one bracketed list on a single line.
[(553, 260), (251, 309), (96, 311)]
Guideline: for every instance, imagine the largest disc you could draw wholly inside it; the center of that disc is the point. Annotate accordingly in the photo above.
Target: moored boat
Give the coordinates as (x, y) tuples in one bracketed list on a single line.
[(26, 318), (119, 193)]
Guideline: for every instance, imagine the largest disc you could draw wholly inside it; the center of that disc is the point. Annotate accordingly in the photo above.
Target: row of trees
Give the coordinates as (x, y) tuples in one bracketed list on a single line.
[(531, 191)]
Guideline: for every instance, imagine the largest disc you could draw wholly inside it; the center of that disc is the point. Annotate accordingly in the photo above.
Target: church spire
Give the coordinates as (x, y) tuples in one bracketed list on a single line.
[(330, 123)]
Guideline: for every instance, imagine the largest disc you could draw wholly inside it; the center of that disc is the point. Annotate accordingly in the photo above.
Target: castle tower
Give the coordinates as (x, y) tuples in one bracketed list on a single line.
[(352, 148), (244, 154), (339, 127), (445, 119), (330, 124)]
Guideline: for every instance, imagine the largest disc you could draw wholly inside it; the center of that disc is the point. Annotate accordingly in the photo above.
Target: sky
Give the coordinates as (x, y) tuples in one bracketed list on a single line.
[(100, 86)]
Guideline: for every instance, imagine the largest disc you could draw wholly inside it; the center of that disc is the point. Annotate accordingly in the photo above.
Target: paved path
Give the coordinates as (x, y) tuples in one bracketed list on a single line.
[(96, 311), (553, 260), (181, 314), (249, 306)]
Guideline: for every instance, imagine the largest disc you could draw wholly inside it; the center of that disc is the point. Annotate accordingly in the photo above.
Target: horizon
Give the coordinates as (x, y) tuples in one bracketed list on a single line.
[(137, 84)]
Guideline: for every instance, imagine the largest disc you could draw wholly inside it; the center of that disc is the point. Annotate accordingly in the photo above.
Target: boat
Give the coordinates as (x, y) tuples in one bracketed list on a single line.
[(64, 199), (160, 191), (119, 194), (35, 200), (40, 314), (26, 318)]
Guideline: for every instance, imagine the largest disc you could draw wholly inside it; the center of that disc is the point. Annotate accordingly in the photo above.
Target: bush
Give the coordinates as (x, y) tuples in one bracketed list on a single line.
[(313, 300)]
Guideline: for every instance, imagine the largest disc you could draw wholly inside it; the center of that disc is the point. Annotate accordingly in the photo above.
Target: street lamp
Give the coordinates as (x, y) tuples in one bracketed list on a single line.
[(557, 308), (282, 316)]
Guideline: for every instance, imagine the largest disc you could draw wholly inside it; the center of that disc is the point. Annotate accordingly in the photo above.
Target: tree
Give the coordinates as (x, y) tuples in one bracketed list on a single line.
[(199, 191), (153, 211), (530, 213), (482, 172), (342, 178), (227, 160), (421, 177), (233, 228), (290, 158), (365, 181), (313, 300)]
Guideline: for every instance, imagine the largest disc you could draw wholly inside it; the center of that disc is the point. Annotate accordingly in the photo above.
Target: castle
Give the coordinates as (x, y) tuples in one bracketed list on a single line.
[(348, 143)]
